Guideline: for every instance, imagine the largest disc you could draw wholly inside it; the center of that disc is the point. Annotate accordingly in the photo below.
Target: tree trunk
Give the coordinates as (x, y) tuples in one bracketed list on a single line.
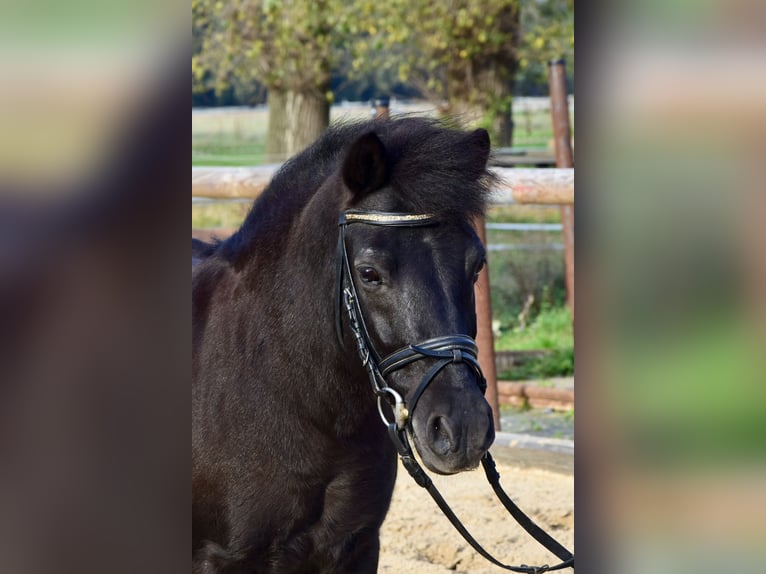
[(479, 89), (276, 147), (296, 120), (493, 80), (502, 126)]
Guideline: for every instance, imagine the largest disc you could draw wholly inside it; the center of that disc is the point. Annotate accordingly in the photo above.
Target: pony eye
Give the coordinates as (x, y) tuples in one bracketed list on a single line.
[(369, 275)]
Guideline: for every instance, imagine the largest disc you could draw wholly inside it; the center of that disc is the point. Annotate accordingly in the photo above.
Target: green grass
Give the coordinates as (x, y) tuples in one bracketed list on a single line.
[(534, 129), (524, 214), (534, 134), (551, 329), (229, 137), (559, 363), (222, 154)]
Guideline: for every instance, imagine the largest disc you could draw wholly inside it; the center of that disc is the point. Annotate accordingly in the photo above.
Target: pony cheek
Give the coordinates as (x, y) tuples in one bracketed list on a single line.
[(379, 317)]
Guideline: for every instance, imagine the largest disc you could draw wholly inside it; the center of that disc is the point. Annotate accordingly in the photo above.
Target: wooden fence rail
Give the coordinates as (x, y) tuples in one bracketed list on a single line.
[(515, 185)]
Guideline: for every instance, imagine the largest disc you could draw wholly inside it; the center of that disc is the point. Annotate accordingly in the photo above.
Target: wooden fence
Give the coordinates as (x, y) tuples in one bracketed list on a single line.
[(515, 185)]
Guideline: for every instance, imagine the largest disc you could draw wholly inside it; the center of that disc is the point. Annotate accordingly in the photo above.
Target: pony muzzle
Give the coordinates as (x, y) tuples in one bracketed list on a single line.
[(451, 441)]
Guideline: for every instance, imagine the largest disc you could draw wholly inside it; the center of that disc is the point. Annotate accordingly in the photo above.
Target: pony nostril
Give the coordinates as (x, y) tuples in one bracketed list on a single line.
[(439, 428), (441, 435)]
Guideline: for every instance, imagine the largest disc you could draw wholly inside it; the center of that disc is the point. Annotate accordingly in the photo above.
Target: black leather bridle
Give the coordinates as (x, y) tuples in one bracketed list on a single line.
[(445, 350)]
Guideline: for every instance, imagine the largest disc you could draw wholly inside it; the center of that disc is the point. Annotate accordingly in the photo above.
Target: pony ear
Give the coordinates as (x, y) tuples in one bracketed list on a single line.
[(365, 168), (478, 141)]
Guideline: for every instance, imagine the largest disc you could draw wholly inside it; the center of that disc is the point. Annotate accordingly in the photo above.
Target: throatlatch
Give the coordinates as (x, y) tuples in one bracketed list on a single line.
[(445, 350)]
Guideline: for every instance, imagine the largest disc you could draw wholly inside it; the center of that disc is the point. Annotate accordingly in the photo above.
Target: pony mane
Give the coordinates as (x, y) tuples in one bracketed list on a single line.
[(434, 169)]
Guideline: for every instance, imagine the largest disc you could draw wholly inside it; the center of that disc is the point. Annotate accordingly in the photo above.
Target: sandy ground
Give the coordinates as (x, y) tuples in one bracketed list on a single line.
[(417, 538)]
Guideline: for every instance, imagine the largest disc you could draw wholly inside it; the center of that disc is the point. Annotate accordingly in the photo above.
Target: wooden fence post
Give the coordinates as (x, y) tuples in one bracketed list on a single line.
[(484, 337), (562, 134)]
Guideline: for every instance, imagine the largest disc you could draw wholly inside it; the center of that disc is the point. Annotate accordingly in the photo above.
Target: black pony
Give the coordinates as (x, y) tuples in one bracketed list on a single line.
[(292, 468)]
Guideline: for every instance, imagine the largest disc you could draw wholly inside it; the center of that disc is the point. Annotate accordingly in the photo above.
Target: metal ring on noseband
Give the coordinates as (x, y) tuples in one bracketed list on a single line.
[(401, 414)]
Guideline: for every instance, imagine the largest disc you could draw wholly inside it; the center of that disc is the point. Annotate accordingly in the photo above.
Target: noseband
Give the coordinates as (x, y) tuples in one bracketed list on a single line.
[(445, 350)]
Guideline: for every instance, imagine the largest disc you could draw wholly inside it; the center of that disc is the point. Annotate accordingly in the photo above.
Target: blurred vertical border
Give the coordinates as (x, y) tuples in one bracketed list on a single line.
[(671, 213), (94, 296)]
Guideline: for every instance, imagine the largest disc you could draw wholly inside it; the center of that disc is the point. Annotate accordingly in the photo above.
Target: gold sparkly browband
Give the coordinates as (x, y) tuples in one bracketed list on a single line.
[(385, 218)]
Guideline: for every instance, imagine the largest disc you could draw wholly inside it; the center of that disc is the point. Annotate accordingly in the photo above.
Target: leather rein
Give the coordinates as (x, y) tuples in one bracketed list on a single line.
[(446, 350)]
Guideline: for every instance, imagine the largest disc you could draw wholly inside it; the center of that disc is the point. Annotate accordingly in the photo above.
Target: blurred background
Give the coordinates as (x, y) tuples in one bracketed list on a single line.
[(671, 269)]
